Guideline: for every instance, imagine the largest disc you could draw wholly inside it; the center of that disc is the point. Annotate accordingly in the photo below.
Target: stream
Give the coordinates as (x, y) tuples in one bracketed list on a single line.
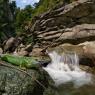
[(69, 79)]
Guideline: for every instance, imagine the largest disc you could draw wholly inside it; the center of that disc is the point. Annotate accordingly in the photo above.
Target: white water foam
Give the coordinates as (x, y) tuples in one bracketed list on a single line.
[(65, 68)]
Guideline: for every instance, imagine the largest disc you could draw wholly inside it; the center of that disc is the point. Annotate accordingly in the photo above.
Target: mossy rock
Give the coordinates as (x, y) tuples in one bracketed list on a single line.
[(15, 82)]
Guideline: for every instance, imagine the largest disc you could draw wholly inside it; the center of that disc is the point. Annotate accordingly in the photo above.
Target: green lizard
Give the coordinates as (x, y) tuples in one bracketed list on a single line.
[(26, 62)]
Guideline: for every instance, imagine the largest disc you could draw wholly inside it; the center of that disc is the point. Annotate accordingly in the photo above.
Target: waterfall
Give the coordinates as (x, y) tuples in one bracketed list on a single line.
[(65, 68)]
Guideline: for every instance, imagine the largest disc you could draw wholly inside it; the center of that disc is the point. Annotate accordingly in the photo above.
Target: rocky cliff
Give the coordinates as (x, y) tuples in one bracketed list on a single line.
[(73, 23)]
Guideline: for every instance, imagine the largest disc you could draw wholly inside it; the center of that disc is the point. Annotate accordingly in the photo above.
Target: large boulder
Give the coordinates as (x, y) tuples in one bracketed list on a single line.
[(11, 44), (15, 82)]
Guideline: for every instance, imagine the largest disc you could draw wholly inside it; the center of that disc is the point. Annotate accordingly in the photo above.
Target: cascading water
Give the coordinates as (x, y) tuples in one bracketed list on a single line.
[(65, 68)]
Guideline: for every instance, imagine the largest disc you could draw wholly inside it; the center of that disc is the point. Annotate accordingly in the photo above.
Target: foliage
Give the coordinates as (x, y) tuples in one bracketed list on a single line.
[(45, 5), (6, 20), (23, 18)]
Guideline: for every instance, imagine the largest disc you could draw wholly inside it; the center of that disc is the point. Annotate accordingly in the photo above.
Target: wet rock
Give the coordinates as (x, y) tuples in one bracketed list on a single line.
[(85, 51), (87, 69)]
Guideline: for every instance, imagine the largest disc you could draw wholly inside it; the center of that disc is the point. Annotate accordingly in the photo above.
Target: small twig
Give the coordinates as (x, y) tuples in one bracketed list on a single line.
[(10, 66)]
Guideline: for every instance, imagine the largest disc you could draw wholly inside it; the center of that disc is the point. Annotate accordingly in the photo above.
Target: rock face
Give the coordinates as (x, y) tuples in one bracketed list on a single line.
[(73, 23), (78, 34), (14, 82)]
